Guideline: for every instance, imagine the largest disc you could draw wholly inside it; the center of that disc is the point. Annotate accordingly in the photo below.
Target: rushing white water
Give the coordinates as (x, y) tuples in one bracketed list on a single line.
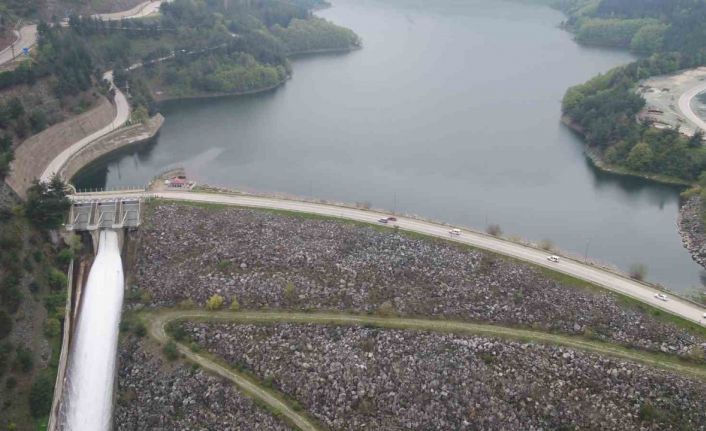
[(88, 401)]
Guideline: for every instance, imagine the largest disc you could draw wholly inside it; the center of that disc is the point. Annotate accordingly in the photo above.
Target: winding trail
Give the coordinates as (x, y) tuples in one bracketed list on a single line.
[(156, 328), (156, 323)]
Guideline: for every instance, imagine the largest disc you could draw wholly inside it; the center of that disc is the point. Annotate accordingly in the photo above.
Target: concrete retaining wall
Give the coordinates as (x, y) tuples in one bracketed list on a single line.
[(113, 141), (34, 155)]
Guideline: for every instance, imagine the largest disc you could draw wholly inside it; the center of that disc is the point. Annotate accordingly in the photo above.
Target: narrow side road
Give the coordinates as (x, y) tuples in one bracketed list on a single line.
[(156, 327)]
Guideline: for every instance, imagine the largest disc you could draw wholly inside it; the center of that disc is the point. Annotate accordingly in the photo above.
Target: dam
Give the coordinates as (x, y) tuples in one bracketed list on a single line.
[(84, 392)]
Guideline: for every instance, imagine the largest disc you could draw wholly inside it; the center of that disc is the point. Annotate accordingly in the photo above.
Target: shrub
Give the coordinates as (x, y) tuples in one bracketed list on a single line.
[(546, 244), (289, 292), (52, 328), (224, 264), (638, 271), (215, 302), (64, 257), (12, 298), (5, 324), (139, 329), (176, 330), (5, 352), (494, 229), (23, 360), (386, 309), (234, 305), (650, 413), (171, 351), (11, 383), (55, 301), (57, 279), (41, 394)]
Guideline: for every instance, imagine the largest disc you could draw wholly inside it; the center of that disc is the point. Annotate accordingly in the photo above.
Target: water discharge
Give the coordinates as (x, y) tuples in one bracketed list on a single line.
[(88, 398)]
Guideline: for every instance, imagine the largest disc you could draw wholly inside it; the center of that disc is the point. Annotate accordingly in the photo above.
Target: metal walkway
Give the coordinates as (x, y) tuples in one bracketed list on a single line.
[(108, 213)]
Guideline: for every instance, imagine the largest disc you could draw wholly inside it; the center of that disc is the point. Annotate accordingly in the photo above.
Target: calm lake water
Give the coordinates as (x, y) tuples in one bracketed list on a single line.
[(451, 111)]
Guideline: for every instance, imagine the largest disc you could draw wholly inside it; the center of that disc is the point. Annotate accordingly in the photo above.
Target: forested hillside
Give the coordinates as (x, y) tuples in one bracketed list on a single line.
[(670, 35)]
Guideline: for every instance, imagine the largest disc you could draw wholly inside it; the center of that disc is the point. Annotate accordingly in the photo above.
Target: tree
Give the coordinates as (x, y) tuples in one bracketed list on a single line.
[(697, 139), (171, 351), (215, 302), (40, 396), (640, 157), (47, 203)]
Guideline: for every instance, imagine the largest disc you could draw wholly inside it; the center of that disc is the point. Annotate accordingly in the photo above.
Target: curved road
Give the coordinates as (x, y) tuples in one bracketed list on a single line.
[(122, 114), (685, 105), (141, 10), (598, 276), (26, 38), (27, 35)]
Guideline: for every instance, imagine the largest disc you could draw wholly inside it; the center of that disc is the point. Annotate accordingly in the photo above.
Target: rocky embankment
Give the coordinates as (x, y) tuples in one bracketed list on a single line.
[(154, 395), (272, 260), (353, 378), (691, 228)]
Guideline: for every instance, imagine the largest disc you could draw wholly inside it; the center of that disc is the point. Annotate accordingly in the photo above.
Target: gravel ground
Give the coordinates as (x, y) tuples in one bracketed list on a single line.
[(156, 396), (354, 378), (270, 260)]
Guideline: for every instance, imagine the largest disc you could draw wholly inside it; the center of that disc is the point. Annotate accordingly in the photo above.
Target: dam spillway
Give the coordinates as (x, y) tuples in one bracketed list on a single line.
[(88, 402)]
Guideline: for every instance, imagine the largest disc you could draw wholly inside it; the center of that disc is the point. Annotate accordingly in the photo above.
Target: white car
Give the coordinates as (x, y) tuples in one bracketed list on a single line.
[(553, 258), (661, 297), (382, 220), (455, 232)]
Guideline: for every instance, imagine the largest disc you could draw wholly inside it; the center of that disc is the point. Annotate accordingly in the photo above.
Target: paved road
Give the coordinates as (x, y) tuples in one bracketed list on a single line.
[(26, 38), (121, 116), (685, 106), (27, 35), (599, 276), (156, 328), (141, 10), (157, 321)]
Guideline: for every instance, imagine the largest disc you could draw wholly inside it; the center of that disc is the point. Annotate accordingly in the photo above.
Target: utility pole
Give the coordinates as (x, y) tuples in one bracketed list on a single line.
[(585, 255)]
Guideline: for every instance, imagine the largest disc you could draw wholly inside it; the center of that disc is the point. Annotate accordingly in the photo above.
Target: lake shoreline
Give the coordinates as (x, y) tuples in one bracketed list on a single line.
[(217, 95), (598, 162)]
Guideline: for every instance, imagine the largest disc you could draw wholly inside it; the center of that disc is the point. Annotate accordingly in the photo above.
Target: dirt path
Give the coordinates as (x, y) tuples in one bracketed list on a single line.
[(156, 327), (156, 322)]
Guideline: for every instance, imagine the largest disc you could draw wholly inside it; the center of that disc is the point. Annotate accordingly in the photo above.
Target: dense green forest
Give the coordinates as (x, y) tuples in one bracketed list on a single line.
[(33, 286), (199, 47), (671, 36)]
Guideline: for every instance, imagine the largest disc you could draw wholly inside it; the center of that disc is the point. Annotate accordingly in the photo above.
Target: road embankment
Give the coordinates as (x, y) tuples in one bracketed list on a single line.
[(36, 153), (113, 141)]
